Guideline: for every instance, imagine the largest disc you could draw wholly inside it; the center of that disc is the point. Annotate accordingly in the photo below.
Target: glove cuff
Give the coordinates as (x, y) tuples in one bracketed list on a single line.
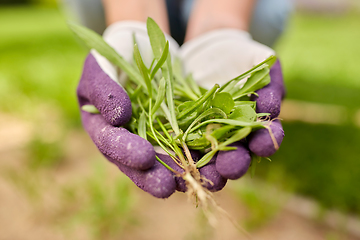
[(117, 29), (119, 35), (221, 55), (197, 44)]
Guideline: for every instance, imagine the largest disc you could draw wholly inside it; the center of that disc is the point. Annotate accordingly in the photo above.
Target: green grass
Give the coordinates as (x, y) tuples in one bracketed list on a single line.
[(319, 161), (320, 58), (103, 204), (40, 62), (322, 49)]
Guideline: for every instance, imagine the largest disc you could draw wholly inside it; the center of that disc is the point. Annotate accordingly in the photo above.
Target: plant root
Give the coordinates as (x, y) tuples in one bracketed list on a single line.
[(197, 191)]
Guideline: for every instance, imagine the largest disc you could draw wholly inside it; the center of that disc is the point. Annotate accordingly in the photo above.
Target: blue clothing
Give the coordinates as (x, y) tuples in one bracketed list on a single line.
[(267, 24)]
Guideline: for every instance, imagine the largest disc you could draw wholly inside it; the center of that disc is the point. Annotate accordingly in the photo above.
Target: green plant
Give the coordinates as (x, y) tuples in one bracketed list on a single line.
[(191, 119)]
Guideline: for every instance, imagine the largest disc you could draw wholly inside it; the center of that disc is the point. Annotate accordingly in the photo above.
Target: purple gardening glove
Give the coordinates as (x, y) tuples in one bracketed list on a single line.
[(99, 86), (132, 154), (217, 57)]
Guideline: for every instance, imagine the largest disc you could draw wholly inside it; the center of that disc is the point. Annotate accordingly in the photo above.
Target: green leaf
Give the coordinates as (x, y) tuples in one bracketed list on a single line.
[(198, 144), (199, 102), (166, 111), (160, 96), (152, 64), (143, 70), (207, 113), (227, 148), (230, 85), (193, 84), (164, 129), (136, 93), (161, 60), (233, 122), (257, 81), (132, 125), (244, 113), (95, 41), (156, 36), (211, 138), (158, 42), (193, 136), (90, 109), (220, 132), (223, 101), (262, 114), (167, 73), (184, 86), (206, 158), (185, 105), (249, 103), (142, 126), (240, 134), (185, 122)]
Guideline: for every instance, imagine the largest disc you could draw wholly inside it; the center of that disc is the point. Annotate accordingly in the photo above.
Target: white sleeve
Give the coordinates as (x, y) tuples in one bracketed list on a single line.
[(220, 55)]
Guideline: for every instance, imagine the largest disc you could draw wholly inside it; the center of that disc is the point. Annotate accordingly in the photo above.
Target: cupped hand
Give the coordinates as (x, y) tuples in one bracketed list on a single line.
[(133, 155), (100, 86), (217, 57)]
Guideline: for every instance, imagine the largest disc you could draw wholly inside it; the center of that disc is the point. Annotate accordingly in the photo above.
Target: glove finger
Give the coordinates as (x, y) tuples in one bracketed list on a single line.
[(277, 79), (210, 172), (261, 142), (118, 143), (235, 163), (269, 98), (98, 89), (157, 180), (180, 182)]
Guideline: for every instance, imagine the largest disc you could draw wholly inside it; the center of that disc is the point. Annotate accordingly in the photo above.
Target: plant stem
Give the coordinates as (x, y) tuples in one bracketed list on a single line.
[(167, 166), (187, 153), (198, 102)]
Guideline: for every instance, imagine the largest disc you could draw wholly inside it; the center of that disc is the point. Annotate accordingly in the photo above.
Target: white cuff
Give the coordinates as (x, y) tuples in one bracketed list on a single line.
[(204, 41), (220, 55), (119, 35)]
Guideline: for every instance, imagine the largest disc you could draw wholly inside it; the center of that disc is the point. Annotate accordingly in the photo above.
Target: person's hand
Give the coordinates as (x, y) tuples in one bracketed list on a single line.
[(217, 57), (100, 86)]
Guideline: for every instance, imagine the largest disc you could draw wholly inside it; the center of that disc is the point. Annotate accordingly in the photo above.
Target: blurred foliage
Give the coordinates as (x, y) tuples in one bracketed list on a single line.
[(322, 162), (202, 229), (26, 181), (103, 204), (14, 2), (39, 62), (322, 49), (47, 3), (262, 201), (42, 153), (319, 55), (100, 203)]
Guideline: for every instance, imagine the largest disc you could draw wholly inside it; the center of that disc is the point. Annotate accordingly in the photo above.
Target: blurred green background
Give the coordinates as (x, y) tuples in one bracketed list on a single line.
[(40, 64)]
